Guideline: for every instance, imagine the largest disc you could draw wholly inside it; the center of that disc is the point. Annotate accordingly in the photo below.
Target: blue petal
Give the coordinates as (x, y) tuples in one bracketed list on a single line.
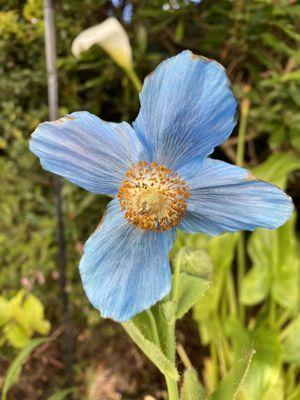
[(226, 198), (187, 109), (125, 270), (89, 152)]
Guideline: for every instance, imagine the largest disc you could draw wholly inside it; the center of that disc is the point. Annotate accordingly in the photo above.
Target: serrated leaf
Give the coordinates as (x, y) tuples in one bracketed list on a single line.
[(265, 367), (231, 383), (15, 367), (191, 388), (151, 351), (191, 289)]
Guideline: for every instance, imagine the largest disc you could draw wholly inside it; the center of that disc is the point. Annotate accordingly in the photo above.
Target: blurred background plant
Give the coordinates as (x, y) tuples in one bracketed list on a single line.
[(254, 298)]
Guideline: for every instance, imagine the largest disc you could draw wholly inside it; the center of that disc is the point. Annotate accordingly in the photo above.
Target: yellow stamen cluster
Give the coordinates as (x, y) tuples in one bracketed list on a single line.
[(153, 197)]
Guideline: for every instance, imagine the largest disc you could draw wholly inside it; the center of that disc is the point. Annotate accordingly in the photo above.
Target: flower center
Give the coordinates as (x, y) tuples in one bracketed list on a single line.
[(153, 197)]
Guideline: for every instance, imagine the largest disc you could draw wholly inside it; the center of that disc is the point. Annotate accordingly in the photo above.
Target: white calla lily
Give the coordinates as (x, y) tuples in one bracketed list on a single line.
[(112, 37)]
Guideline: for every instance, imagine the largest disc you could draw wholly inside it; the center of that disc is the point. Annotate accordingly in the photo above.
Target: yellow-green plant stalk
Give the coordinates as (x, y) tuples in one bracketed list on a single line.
[(113, 39)]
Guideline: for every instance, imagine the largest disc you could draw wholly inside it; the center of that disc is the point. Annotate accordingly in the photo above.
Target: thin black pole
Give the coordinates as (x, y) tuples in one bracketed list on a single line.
[(50, 49)]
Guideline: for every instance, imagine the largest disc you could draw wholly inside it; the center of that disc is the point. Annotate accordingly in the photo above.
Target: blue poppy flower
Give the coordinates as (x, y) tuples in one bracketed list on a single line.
[(161, 178)]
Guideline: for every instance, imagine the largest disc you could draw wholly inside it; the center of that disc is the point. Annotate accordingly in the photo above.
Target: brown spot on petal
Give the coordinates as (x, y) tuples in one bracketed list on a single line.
[(250, 177), (197, 57), (149, 75), (63, 119)]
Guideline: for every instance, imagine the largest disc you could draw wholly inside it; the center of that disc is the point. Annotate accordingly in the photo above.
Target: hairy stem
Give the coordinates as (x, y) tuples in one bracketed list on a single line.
[(171, 340)]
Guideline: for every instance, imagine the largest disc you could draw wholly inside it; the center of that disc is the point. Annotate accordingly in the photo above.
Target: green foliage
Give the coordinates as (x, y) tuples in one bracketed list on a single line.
[(191, 387), (63, 394), (233, 381), (151, 351), (154, 330), (205, 309), (191, 289), (265, 367), (20, 318), (15, 368), (195, 262), (291, 344), (277, 168), (275, 270)]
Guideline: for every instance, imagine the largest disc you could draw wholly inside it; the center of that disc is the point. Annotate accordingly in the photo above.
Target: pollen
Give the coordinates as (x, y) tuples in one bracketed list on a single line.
[(153, 197)]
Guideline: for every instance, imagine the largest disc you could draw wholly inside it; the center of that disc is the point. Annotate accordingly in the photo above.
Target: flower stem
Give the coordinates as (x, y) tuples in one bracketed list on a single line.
[(240, 154), (134, 79), (184, 357), (171, 353), (241, 263), (241, 256), (172, 389), (171, 340), (175, 288)]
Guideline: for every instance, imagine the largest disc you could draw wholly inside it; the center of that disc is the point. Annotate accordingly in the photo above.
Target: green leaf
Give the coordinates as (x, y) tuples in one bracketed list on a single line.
[(28, 311), (276, 391), (195, 262), (256, 283), (277, 168), (62, 394), (222, 260), (191, 388), (142, 322), (151, 351), (265, 369), (168, 311), (191, 289), (216, 249), (15, 368), (5, 310), (231, 383), (30, 314), (213, 246), (179, 31), (291, 345), (33, 312), (275, 268), (285, 275), (16, 335)]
